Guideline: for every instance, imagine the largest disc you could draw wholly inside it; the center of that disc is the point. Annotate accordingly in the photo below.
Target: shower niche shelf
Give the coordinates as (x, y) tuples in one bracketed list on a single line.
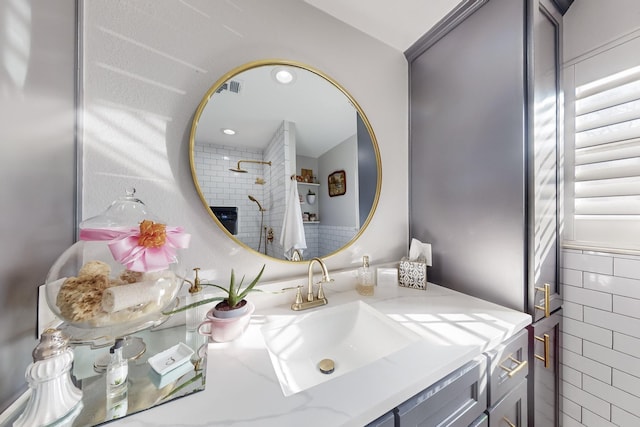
[(309, 208)]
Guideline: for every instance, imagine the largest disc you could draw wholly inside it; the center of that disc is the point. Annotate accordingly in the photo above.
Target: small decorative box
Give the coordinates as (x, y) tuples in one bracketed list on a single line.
[(413, 274), (171, 358)]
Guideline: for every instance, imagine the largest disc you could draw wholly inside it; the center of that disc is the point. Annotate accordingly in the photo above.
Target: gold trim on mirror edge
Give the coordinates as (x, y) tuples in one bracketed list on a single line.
[(276, 62)]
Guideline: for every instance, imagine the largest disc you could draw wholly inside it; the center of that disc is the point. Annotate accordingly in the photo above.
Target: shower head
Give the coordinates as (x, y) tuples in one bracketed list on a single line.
[(253, 199), (240, 170), (237, 169)]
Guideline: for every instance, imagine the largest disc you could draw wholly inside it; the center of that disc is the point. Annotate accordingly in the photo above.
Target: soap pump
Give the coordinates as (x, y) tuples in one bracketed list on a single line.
[(196, 314), (117, 370), (365, 283)]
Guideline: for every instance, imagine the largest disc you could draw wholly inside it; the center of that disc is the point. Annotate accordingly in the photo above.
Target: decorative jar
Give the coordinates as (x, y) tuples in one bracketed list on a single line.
[(122, 273)]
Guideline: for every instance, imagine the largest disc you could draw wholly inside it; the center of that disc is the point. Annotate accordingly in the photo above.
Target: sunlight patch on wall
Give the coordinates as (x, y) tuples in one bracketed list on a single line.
[(122, 137), (17, 40)]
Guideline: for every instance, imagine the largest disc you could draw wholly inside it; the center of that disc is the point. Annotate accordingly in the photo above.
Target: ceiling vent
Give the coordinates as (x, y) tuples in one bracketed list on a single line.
[(233, 86)]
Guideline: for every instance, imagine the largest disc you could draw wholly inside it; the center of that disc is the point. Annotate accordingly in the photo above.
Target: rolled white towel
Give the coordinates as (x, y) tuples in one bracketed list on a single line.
[(125, 296)]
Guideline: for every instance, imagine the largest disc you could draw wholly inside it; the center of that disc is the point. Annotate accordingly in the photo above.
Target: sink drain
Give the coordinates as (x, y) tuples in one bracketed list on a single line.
[(326, 366)]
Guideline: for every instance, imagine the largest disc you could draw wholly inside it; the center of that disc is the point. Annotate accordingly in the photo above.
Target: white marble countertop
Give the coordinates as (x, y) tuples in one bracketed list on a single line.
[(242, 388)]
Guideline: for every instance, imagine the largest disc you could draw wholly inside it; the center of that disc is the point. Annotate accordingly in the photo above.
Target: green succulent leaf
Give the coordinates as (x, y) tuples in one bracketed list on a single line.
[(233, 291)]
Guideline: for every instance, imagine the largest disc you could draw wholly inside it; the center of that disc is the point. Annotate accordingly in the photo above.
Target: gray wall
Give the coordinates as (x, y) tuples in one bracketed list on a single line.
[(37, 168), (339, 211)]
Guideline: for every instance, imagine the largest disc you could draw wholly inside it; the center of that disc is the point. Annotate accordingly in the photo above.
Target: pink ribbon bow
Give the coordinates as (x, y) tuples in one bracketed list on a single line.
[(125, 248)]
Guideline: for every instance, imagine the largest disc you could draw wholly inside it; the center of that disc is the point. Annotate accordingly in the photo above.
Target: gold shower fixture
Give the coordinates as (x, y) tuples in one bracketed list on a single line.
[(240, 170)]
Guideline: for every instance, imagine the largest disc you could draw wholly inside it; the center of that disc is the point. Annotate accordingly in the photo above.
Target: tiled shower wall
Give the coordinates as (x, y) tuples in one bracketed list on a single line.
[(600, 341), (335, 237), (278, 153), (222, 187), (212, 165)]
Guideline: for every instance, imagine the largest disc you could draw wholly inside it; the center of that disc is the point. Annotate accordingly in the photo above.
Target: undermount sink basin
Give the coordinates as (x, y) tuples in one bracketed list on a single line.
[(351, 336)]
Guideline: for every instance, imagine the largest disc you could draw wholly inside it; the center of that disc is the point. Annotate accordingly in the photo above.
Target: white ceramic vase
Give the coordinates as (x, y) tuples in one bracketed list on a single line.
[(226, 329)]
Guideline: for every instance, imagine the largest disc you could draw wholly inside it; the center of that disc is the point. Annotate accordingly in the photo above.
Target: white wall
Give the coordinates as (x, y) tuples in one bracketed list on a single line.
[(589, 24), (146, 66), (601, 330), (37, 44)]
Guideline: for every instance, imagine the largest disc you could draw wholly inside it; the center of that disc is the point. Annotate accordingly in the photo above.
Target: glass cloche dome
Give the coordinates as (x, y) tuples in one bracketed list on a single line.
[(122, 273)]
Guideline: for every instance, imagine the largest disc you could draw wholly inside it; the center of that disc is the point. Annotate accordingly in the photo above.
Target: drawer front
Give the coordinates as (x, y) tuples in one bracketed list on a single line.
[(455, 401), (508, 366), (511, 411), (481, 421), (387, 420)]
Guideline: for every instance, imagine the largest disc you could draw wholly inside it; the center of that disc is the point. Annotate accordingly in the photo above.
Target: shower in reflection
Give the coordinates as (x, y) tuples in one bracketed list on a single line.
[(262, 227), (240, 170), (253, 199)]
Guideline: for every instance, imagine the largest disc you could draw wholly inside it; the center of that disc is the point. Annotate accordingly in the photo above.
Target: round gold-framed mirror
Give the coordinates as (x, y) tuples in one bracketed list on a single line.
[(284, 160)]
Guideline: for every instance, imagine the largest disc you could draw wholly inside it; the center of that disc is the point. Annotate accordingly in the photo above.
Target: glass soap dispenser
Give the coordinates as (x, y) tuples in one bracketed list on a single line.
[(364, 285), (117, 370)]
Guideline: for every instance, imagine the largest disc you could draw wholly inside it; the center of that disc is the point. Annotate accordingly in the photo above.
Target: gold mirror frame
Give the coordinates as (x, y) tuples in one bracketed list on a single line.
[(280, 62)]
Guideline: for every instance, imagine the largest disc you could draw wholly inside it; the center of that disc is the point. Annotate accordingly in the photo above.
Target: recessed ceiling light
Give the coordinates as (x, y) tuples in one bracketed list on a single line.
[(228, 131), (283, 75)]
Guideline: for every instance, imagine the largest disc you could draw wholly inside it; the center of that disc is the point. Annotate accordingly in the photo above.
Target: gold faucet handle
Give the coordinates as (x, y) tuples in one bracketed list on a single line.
[(298, 292), (320, 291)]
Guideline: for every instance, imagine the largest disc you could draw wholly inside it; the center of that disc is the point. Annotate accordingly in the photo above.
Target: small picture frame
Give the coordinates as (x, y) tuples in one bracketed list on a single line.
[(307, 175), (337, 183)]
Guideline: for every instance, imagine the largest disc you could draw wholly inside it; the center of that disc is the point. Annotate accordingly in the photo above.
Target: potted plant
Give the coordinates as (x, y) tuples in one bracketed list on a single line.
[(229, 318), (311, 197)]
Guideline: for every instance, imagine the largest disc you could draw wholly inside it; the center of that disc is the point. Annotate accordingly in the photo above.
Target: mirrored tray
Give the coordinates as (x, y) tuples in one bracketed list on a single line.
[(146, 389)]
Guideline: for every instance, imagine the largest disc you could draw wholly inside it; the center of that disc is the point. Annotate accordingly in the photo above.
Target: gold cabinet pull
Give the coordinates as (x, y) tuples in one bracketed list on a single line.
[(547, 297), (546, 340), (512, 371), (506, 420)]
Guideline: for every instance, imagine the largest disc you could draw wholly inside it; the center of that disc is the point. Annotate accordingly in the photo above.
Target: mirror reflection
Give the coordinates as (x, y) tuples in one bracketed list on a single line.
[(284, 160)]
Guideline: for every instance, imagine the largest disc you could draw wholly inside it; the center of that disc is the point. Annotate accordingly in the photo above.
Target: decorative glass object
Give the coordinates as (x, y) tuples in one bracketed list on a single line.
[(122, 273), (53, 394)]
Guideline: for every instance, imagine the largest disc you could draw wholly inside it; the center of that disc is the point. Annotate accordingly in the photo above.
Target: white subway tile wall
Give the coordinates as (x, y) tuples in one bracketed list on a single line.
[(600, 340), (335, 237), (222, 187), (277, 179), (312, 236)]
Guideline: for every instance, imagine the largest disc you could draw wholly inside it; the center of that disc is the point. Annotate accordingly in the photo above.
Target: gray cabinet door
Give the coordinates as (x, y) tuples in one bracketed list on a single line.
[(545, 150), (455, 401), (544, 371), (467, 154), (485, 143), (508, 366), (387, 420), (512, 409)]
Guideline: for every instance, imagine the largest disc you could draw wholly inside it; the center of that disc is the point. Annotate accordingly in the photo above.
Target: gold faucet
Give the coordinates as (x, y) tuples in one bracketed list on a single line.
[(312, 301), (297, 255)]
